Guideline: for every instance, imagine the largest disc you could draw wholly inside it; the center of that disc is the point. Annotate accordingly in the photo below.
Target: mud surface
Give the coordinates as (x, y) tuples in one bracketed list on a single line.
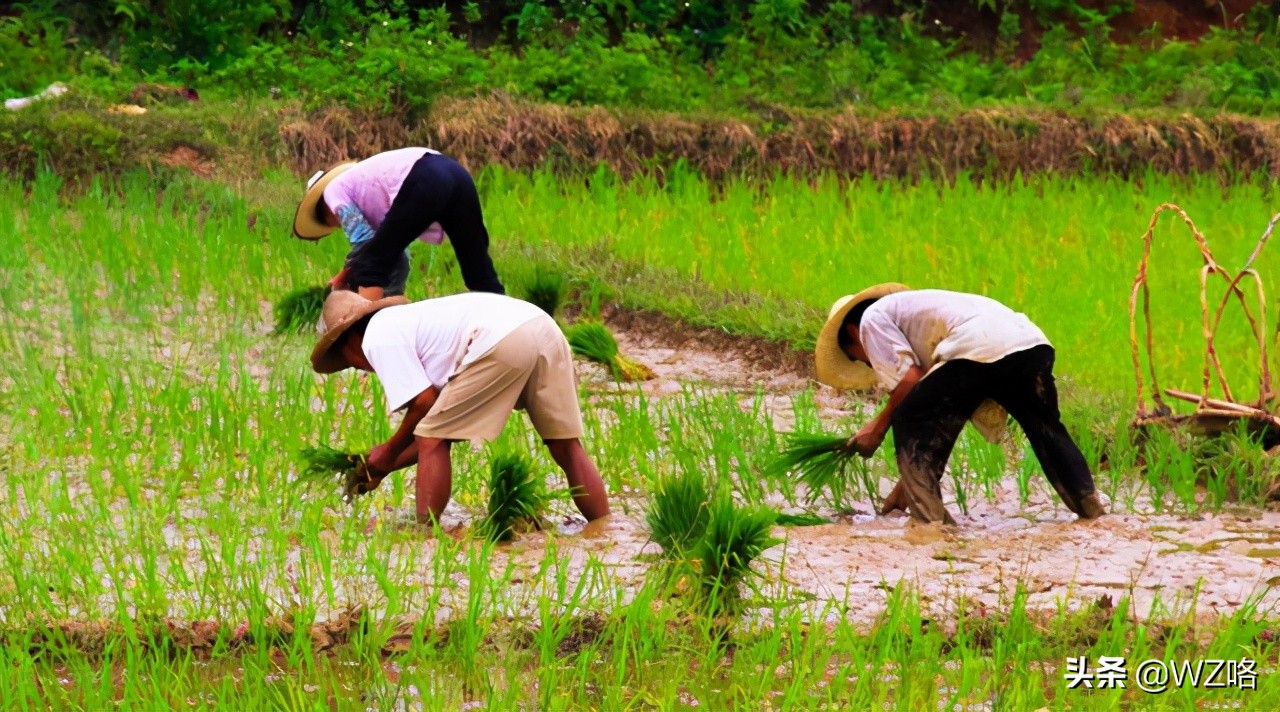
[(1214, 562), (1206, 564)]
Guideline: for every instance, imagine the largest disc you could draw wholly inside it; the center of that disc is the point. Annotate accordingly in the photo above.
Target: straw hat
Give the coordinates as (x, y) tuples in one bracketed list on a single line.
[(306, 224), (834, 368), (342, 310), (830, 364)]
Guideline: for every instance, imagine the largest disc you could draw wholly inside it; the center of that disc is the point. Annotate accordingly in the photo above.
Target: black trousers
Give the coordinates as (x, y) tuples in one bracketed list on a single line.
[(930, 418), (437, 189)]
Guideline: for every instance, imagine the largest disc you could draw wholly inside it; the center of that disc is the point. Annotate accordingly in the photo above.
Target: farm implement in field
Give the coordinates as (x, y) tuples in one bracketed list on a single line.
[(1212, 415)]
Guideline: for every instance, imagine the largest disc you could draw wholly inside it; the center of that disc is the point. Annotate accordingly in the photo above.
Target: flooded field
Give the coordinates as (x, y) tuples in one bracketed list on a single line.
[(158, 547)]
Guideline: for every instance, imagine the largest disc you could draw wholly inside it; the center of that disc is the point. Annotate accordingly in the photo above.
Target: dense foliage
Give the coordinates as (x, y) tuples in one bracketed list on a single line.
[(398, 55)]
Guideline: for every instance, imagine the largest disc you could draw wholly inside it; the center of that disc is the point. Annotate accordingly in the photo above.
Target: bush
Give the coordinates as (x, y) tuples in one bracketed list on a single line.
[(34, 53)]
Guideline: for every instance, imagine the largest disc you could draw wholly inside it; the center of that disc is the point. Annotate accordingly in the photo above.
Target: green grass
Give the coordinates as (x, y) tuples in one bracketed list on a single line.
[(769, 257), (155, 430)]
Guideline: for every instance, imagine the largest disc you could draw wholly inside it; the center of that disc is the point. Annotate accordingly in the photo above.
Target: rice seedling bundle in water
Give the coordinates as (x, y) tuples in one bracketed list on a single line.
[(678, 511), (545, 290), (299, 310), (734, 539), (824, 463), (593, 341), (517, 496)]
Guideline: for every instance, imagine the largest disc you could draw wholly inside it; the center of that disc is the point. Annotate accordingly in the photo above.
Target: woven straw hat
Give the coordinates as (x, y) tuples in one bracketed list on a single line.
[(834, 368), (306, 224), (342, 310), (830, 364)]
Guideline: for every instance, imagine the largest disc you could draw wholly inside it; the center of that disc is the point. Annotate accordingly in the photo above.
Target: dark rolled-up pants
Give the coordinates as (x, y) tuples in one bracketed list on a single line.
[(437, 189), (930, 418)]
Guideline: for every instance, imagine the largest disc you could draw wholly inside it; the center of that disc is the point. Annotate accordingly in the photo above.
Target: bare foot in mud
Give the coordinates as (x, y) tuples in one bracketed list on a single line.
[(1091, 507), (600, 528), (919, 533)]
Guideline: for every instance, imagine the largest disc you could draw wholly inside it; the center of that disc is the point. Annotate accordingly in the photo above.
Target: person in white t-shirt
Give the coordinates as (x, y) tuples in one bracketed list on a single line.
[(383, 204), (948, 357), (458, 366)]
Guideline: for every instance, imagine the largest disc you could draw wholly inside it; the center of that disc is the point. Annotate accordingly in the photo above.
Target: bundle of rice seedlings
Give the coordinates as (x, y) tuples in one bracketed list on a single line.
[(546, 290), (517, 497), (825, 464), (322, 464), (299, 310), (593, 341), (678, 512), (735, 537)]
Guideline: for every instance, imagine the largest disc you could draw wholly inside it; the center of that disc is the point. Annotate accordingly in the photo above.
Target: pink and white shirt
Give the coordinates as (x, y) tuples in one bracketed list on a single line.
[(370, 187)]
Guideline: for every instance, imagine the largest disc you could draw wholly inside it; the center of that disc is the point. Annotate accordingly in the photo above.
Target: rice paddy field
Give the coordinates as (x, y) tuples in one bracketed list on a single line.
[(159, 547)]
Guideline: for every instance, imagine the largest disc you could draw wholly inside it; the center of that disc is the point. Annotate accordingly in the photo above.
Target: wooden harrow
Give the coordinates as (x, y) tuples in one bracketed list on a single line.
[(1211, 415)]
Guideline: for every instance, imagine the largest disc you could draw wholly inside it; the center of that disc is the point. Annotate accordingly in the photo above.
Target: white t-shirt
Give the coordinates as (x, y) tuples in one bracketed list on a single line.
[(414, 346), (929, 327)]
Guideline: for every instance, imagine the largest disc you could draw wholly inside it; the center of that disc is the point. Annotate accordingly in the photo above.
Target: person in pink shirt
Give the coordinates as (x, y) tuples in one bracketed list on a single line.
[(383, 204)]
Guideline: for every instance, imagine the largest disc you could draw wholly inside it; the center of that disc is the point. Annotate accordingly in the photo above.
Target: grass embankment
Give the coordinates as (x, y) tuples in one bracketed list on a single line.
[(79, 138), (159, 422)]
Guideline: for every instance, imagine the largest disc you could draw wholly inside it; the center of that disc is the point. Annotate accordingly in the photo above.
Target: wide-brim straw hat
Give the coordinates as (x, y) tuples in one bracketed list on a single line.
[(306, 224), (342, 310), (830, 364), (834, 368)]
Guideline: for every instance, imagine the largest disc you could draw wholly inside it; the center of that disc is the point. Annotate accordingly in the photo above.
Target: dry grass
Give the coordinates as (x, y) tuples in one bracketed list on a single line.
[(497, 129)]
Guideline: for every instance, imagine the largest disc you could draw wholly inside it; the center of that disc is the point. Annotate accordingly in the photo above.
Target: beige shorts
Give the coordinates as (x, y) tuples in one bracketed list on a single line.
[(531, 370)]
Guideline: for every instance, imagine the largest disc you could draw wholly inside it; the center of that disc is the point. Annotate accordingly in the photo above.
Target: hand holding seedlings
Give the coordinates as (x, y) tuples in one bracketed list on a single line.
[(867, 440), (947, 358), (458, 366)]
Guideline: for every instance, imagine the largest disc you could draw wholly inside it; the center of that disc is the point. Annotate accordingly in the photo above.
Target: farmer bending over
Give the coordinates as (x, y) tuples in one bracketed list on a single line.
[(383, 203), (948, 357), (458, 366)]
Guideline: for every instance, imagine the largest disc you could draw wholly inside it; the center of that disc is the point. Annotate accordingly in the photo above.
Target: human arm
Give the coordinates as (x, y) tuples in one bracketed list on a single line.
[(358, 231), (390, 455), (867, 440)]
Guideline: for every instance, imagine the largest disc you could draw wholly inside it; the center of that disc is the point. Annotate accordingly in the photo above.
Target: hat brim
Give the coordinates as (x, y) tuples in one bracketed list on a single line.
[(305, 223), (830, 364), (325, 358)]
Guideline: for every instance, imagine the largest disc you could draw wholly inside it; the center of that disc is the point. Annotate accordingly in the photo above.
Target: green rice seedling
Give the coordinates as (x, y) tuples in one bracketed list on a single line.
[(517, 496), (322, 463), (594, 342), (735, 537), (677, 512), (299, 310), (546, 289), (824, 464), (804, 519)]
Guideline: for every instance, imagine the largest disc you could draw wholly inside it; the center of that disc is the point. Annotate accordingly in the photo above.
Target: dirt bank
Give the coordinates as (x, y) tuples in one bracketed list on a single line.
[(78, 139)]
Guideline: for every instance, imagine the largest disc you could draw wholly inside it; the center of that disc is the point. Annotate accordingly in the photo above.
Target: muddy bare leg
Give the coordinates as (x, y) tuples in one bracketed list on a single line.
[(435, 478), (584, 479)]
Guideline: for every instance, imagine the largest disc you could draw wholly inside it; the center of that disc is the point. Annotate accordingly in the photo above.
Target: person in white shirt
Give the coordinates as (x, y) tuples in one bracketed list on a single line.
[(458, 366), (948, 357)]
